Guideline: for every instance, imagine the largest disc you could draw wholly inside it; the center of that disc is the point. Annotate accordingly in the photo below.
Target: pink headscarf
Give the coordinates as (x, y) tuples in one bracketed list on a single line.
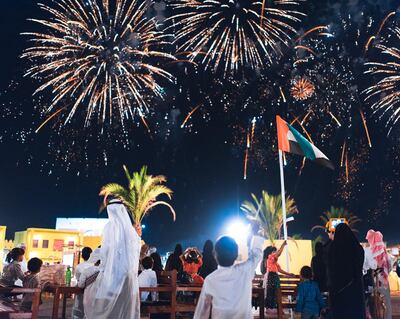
[(378, 248)]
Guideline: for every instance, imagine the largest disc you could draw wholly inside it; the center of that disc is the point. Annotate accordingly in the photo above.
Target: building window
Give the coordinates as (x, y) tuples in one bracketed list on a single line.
[(58, 244), (35, 243), (45, 243)]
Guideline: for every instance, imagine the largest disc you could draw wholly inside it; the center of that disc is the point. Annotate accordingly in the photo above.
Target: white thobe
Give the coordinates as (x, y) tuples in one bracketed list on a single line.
[(226, 292), (77, 309), (148, 278)]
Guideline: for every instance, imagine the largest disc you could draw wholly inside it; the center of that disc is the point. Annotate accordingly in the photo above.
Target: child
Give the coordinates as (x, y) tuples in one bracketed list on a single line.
[(192, 262), (77, 309), (273, 281), (226, 292), (12, 272), (31, 280), (309, 298), (147, 278)]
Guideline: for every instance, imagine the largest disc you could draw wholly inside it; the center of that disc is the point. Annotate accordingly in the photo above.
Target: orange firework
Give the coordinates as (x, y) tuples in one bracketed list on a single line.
[(302, 89)]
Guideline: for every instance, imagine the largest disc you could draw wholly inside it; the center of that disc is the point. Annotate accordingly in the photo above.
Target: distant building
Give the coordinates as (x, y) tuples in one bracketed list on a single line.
[(87, 226), (2, 244), (50, 245)]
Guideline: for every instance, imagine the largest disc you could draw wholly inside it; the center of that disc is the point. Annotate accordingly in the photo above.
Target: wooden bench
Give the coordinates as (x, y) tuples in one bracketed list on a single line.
[(258, 294), (286, 294), (167, 295), (11, 310)]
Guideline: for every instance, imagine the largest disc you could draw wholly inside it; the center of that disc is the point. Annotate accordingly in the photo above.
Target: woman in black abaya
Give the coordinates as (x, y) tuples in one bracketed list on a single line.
[(345, 264)]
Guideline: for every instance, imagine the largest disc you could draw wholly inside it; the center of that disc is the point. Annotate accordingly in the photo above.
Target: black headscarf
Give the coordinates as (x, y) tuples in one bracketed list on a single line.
[(319, 267), (174, 262), (209, 262), (157, 265), (345, 258)]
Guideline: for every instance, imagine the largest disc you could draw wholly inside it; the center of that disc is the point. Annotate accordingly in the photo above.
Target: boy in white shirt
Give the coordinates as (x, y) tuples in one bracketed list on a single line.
[(148, 278), (77, 309), (226, 293)]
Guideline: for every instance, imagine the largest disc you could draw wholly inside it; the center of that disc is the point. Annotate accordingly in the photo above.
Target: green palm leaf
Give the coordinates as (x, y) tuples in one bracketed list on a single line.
[(141, 194), (268, 212)]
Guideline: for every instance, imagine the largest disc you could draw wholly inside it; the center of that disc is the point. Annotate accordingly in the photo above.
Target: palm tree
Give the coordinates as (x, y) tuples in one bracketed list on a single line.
[(338, 212), (141, 195), (268, 212)]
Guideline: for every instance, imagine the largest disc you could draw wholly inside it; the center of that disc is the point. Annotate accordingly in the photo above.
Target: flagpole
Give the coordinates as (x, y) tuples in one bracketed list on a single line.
[(285, 235)]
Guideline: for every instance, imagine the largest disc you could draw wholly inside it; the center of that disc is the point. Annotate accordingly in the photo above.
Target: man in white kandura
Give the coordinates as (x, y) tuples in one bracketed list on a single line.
[(226, 292), (115, 292)]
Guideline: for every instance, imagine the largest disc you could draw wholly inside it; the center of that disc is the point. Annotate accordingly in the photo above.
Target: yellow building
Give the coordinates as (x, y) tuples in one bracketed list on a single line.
[(2, 244), (50, 245), (91, 241)]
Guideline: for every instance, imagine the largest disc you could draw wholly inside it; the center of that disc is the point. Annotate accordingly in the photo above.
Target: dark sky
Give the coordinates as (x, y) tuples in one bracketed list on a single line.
[(202, 167)]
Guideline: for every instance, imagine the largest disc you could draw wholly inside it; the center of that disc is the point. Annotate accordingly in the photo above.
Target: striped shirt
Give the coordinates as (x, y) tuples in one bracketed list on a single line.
[(30, 281)]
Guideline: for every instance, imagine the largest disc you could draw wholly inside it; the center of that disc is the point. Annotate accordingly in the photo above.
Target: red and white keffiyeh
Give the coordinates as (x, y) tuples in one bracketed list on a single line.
[(375, 240)]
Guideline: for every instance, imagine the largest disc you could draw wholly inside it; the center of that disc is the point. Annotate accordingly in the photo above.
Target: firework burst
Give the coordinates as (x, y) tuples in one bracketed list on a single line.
[(233, 34), (98, 59), (302, 89), (385, 94)]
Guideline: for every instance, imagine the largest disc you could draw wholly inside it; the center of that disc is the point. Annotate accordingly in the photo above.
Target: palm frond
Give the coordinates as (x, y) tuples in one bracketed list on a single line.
[(141, 194), (268, 212)]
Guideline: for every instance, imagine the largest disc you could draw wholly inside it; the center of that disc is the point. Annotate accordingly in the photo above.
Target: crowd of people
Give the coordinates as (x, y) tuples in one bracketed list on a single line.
[(112, 274)]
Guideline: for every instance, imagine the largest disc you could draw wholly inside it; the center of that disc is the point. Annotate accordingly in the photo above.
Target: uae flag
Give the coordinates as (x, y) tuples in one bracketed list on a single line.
[(291, 141)]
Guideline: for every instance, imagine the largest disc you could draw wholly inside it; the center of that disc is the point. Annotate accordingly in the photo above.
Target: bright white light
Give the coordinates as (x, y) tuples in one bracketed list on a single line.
[(238, 230)]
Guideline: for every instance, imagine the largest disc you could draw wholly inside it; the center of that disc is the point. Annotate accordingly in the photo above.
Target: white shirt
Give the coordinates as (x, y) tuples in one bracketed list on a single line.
[(148, 278), (77, 309), (369, 260), (226, 292), (81, 268)]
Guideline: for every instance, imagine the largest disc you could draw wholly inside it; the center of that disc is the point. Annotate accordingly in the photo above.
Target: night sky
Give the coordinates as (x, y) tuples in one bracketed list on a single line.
[(203, 162)]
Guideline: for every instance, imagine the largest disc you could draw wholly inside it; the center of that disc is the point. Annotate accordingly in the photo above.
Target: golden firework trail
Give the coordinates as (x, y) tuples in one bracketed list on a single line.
[(303, 163), (335, 118), (246, 156), (306, 117), (232, 37), (145, 123), (384, 22), (343, 152), (305, 131), (253, 129), (372, 38), (364, 120), (306, 49), (101, 59), (190, 114), (282, 94), (318, 28), (48, 119), (384, 95), (347, 167)]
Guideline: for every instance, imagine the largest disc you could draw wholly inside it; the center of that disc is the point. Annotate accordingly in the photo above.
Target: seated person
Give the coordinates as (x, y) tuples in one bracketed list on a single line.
[(12, 271), (309, 301), (226, 292), (192, 262), (148, 278), (31, 280), (77, 309), (90, 273)]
